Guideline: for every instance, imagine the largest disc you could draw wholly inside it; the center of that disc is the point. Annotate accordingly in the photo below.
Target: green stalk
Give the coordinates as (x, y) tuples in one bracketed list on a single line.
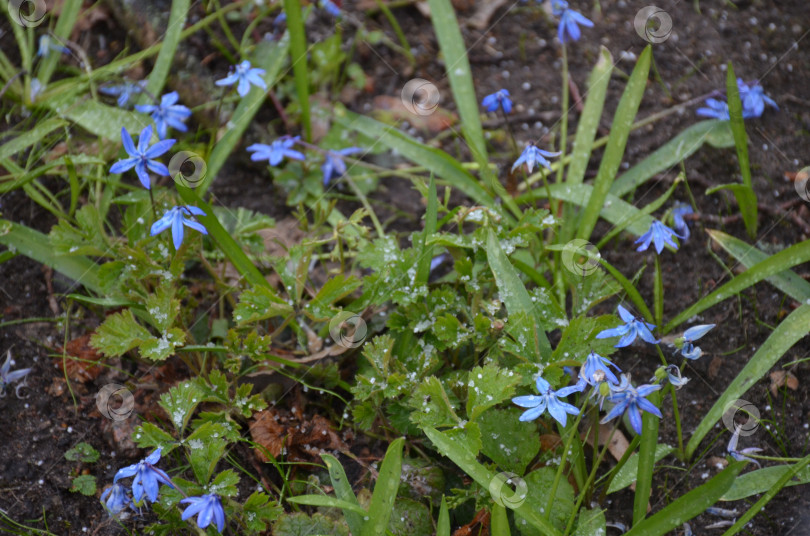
[(646, 460), (558, 475), (658, 293)]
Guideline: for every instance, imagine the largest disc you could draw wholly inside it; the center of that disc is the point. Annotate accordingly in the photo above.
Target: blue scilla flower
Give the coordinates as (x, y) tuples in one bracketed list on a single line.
[(631, 400), (632, 328), (116, 499), (532, 155), (740, 455), (333, 164), (147, 477), (715, 109), (330, 7), (244, 75), (658, 234), (597, 370), (167, 114), (547, 400), (499, 99), (276, 151), (36, 89), (142, 157), (753, 99), (570, 20), (8, 376), (48, 45), (673, 376), (124, 91), (176, 218), (689, 350), (678, 222), (206, 508)]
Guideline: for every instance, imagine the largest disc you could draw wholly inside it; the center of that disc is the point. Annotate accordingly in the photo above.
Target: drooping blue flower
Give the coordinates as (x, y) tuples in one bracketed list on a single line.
[(244, 75), (740, 455), (632, 328), (753, 99), (330, 7), (570, 20), (116, 499), (678, 222), (658, 234), (715, 109), (547, 400), (143, 157), (499, 99), (689, 350), (532, 155), (333, 164), (276, 151), (631, 400), (36, 89), (167, 114), (48, 45), (124, 91), (597, 370), (147, 477), (176, 218), (674, 377), (8, 376), (209, 507)]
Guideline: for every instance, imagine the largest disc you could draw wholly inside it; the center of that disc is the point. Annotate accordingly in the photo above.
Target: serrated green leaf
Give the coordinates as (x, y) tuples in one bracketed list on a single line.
[(179, 403), (259, 510), (579, 338), (337, 288), (488, 386), (84, 484), (225, 483), (161, 348), (82, 240), (433, 405), (508, 442), (162, 307), (118, 334), (627, 474), (147, 435), (83, 452), (259, 304), (205, 448)]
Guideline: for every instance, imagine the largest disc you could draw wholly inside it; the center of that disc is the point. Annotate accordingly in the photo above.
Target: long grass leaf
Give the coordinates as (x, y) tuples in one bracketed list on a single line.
[(344, 492), (646, 461), (163, 63), (385, 491), (29, 137), (298, 51), (746, 198)]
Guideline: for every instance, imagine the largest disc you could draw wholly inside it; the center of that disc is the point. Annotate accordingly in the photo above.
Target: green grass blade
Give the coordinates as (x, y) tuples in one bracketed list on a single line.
[(779, 262), (518, 303), (630, 289), (270, 57), (786, 334), (425, 251), (466, 461), (788, 281), (499, 523), (762, 480), (62, 30), (747, 200), (646, 460), (443, 525), (679, 148), (444, 166), (29, 137), (298, 51), (163, 63), (329, 502), (627, 473), (344, 492), (36, 245), (688, 506), (614, 151), (385, 491)]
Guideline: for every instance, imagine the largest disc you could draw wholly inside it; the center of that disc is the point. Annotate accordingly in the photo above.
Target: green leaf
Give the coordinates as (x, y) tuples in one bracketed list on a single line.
[(298, 55), (180, 402), (779, 262), (344, 492), (614, 151), (82, 240), (337, 288), (499, 522), (423, 249), (83, 452), (579, 338), (764, 479), (540, 483), (746, 200), (646, 459), (409, 518), (525, 321), (118, 334), (627, 474), (100, 119), (259, 304), (328, 502), (205, 445), (162, 307), (84, 484), (488, 386), (163, 63), (432, 405), (259, 510), (161, 348), (788, 281), (791, 330), (147, 435), (24, 139), (465, 459), (385, 491), (689, 505), (590, 523), (300, 524), (508, 442), (225, 483), (443, 525)]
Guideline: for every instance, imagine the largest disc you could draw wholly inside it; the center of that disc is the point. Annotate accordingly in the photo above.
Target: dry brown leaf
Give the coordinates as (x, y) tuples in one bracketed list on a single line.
[(394, 108), (281, 432), (81, 364), (780, 378)]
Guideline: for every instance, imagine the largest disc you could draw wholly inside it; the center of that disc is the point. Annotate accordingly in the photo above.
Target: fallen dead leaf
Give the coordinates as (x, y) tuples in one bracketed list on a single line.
[(780, 378), (281, 432), (392, 108), (81, 363)]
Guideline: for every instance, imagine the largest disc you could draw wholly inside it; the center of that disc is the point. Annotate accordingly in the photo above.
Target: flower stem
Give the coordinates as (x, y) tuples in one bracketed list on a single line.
[(558, 475)]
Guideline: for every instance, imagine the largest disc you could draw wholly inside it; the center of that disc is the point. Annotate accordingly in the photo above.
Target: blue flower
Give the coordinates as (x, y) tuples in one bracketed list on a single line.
[(753, 99), (176, 219), (596, 370), (147, 477), (124, 91), (46, 45), (660, 235), (276, 151), (674, 376), (568, 30), (116, 499), (548, 399), (499, 99), (629, 331), (208, 507), (689, 350), (245, 75), (167, 114), (36, 89), (330, 7), (631, 400), (715, 109), (532, 155), (678, 212), (333, 164), (739, 455), (142, 157), (7, 376)]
